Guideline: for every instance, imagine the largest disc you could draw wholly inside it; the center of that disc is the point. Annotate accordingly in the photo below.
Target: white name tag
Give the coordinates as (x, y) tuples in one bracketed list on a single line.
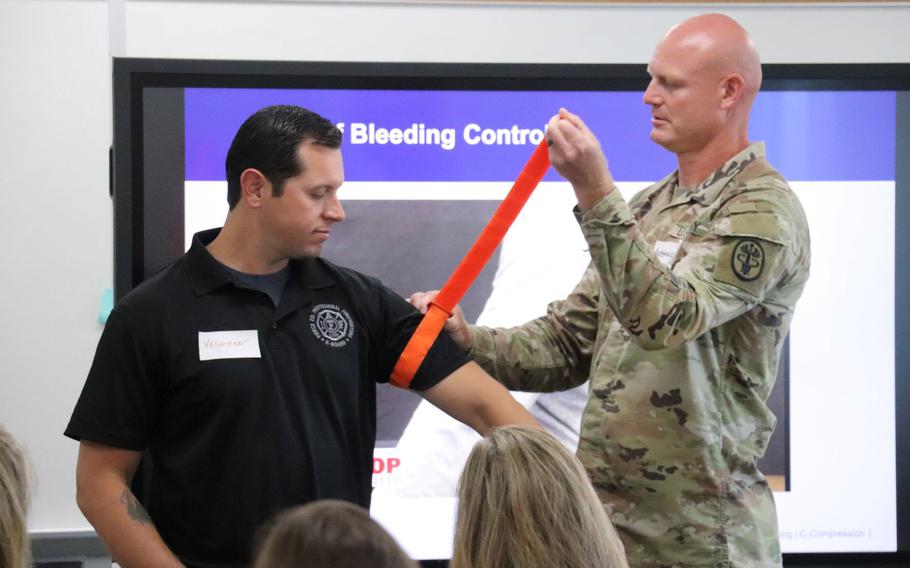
[(666, 251), (239, 344)]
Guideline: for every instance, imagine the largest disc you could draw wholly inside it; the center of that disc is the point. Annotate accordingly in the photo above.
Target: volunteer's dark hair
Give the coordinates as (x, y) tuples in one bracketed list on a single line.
[(268, 141)]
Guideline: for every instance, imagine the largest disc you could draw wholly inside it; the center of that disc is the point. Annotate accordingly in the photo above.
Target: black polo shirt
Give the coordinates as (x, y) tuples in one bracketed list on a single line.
[(232, 439)]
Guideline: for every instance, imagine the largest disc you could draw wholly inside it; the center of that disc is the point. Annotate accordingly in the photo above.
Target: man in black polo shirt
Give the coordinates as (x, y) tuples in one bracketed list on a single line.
[(244, 374)]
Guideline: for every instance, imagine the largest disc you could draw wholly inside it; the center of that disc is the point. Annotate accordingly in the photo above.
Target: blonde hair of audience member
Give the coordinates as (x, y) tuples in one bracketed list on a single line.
[(525, 501), (329, 534), (14, 545)]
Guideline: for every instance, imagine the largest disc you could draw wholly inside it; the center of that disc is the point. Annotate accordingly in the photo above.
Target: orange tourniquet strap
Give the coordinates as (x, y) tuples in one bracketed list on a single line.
[(471, 265)]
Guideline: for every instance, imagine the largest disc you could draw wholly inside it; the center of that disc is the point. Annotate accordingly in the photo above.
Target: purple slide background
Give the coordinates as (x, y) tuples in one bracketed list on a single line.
[(810, 135)]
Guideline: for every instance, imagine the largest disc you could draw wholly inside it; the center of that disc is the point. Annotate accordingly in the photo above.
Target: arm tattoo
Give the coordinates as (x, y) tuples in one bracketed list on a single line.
[(134, 507)]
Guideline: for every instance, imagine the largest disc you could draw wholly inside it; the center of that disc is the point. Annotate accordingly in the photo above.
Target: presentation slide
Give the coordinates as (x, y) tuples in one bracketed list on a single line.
[(425, 169)]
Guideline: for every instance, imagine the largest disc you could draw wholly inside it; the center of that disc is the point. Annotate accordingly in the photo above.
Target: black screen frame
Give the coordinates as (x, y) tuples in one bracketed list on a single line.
[(133, 244)]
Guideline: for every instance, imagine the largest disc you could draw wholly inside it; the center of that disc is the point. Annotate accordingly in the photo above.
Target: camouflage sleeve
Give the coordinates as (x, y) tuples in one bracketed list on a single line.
[(726, 266), (550, 353)]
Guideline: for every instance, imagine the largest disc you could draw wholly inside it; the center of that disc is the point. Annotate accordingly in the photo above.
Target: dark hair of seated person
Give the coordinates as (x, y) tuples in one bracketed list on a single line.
[(329, 534)]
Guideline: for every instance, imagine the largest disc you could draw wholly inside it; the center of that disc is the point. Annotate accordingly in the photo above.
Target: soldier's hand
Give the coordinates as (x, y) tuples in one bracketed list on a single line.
[(456, 325), (577, 156)]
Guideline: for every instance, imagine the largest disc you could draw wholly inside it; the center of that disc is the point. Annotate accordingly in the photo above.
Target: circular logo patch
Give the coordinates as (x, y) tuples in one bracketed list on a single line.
[(748, 259), (331, 324)]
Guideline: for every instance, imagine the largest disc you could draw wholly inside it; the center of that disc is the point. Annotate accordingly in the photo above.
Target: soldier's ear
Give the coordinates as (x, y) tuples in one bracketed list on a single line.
[(731, 90)]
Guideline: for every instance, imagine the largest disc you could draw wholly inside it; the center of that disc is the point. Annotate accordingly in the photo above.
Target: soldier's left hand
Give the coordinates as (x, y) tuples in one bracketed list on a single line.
[(576, 154)]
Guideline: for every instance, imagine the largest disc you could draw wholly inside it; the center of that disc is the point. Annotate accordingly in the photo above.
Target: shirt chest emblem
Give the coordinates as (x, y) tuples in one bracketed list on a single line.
[(331, 324)]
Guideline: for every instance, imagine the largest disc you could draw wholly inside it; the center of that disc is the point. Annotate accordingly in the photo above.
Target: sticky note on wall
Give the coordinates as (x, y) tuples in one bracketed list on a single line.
[(107, 304)]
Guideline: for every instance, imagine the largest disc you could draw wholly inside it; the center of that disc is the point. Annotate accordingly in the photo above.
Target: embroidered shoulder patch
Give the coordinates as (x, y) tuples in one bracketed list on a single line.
[(748, 259), (744, 262)]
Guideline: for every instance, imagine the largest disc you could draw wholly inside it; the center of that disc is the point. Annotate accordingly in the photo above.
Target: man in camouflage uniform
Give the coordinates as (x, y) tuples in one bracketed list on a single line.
[(680, 317)]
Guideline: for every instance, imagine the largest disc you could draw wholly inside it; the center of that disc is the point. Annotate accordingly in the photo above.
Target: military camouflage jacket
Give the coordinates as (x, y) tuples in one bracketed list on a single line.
[(678, 323)]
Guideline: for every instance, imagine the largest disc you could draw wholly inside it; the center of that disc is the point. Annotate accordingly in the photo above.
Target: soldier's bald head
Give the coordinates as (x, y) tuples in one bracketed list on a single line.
[(718, 46)]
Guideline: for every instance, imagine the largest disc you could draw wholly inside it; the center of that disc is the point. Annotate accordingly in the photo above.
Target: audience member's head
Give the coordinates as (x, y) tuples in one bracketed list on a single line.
[(14, 546), (329, 534), (526, 502)]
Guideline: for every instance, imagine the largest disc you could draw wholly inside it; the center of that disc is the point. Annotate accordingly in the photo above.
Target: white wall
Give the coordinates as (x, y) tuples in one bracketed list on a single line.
[(55, 234), (55, 107), (496, 31)]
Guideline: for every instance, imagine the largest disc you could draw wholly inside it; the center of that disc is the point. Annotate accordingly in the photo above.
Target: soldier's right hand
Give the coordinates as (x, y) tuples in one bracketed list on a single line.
[(456, 325), (577, 155)]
